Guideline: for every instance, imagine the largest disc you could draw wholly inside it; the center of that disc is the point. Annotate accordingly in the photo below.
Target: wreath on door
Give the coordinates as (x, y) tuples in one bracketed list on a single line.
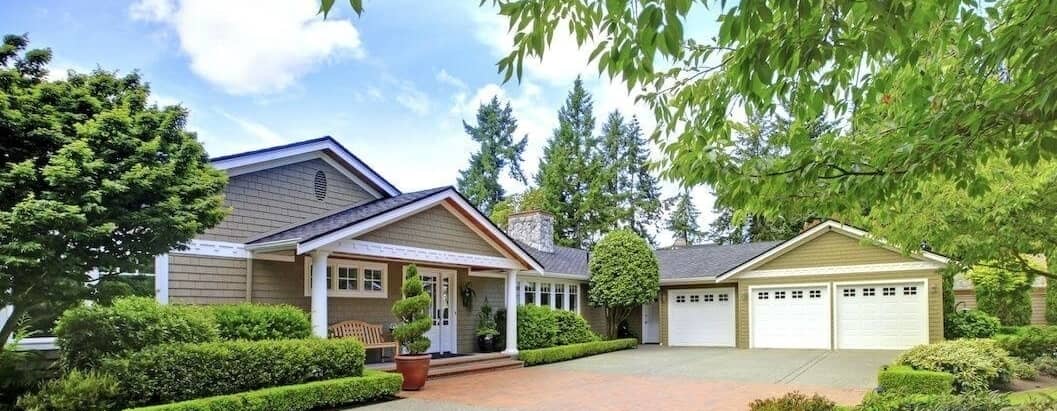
[(467, 293)]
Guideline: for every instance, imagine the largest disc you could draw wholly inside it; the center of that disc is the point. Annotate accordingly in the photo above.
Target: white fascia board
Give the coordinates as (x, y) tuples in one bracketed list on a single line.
[(242, 164), (400, 252), (688, 281), (843, 269), (210, 248), (550, 274)]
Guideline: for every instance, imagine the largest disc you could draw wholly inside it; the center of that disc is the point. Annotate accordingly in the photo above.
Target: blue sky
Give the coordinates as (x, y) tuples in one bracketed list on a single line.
[(393, 85)]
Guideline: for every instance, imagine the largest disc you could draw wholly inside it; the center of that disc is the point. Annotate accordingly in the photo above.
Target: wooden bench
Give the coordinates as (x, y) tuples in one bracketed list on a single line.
[(368, 334)]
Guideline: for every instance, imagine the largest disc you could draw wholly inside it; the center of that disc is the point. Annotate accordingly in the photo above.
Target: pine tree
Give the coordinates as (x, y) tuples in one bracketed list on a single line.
[(682, 221), (495, 134), (645, 189), (567, 170), (629, 196)]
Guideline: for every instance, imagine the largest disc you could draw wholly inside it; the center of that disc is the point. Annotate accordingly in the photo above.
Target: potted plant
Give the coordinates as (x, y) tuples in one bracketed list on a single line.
[(486, 329), (412, 313)]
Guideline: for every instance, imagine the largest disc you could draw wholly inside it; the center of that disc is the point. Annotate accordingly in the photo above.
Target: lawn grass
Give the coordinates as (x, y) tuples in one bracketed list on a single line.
[(1025, 396)]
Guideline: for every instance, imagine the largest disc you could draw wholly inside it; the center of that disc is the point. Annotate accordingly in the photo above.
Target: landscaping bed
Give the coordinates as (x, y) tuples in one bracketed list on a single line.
[(571, 351)]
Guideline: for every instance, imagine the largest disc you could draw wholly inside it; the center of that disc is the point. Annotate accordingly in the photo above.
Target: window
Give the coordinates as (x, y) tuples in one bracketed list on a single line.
[(814, 294), (763, 295), (887, 291), (709, 298), (351, 278), (559, 296), (574, 298), (849, 292), (695, 298), (545, 294), (779, 295), (530, 293), (868, 292), (347, 278), (910, 291), (724, 297), (680, 298), (797, 294)]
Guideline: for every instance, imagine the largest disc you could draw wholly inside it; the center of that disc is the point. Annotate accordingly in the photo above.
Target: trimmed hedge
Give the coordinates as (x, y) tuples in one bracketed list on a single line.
[(794, 401), (177, 372), (904, 380), (572, 328), (88, 334), (977, 364), (568, 352), (372, 386), (978, 401), (1030, 343), (972, 324), (543, 327), (256, 322), (76, 391)]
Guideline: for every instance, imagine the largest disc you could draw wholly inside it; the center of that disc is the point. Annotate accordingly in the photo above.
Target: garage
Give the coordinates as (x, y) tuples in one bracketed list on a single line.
[(790, 316), (881, 315), (701, 317)]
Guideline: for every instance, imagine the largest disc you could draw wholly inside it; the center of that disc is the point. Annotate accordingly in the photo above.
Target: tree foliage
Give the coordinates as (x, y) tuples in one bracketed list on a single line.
[(624, 275), (630, 196), (682, 220), (528, 200), (1003, 293), (412, 312), (91, 175), (498, 151), (923, 91)]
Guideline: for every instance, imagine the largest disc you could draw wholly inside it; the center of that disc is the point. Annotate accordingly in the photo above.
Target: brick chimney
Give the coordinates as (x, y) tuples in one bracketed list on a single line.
[(535, 228)]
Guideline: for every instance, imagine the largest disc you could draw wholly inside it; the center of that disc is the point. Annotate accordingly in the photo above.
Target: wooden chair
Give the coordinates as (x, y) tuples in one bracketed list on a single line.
[(369, 335)]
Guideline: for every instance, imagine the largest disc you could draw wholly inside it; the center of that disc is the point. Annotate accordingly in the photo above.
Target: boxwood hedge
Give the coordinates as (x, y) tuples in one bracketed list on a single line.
[(568, 352), (905, 380)]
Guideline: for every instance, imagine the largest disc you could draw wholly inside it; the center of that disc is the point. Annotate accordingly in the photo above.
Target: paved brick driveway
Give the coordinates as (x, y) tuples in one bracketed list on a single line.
[(656, 378)]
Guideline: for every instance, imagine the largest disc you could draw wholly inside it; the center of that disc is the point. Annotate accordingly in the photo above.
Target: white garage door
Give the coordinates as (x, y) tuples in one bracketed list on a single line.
[(882, 316), (789, 317), (701, 317)]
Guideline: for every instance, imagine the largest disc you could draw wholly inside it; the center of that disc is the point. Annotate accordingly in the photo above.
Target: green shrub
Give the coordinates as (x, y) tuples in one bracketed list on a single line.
[(1003, 294), (568, 352), (76, 391), (977, 364), (794, 401), (1023, 370), (110, 288), (624, 275), (1047, 365), (254, 322), (412, 314), (981, 401), (972, 324), (21, 372), (87, 334), (572, 328), (905, 380), (372, 386), (177, 372), (1051, 301), (1030, 342), (1010, 329), (536, 327)]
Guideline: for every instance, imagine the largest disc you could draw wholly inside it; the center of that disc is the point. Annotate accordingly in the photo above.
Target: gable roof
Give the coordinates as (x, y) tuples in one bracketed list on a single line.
[(366, 216), (814, 232), (326, 148), (564, 260), (707, 260)]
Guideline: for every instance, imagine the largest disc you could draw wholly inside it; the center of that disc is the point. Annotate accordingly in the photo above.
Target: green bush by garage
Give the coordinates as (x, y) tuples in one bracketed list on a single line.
[(544, 327), (904, 380), (571, 351), (372, 386), (976, 364)]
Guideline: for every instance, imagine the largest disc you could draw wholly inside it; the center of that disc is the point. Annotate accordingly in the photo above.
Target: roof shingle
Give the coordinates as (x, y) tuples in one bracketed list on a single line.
[(708, 260)]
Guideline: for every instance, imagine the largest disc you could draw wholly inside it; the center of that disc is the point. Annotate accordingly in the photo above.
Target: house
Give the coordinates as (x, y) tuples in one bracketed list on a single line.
[(313, 226)]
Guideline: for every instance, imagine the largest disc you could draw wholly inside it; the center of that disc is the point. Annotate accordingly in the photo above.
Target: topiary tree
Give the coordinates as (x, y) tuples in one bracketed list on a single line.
[(624, 275), (413, 313)]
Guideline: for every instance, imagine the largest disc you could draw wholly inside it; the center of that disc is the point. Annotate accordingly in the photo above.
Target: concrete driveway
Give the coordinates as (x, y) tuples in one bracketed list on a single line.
[(657, 378)]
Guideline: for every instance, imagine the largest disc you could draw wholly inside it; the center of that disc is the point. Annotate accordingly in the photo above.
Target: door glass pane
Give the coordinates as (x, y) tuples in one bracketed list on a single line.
[(445, 304), (545, 294), (559, 296)]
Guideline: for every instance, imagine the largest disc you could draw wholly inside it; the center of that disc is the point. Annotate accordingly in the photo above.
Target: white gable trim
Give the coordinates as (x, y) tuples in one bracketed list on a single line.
[(374, 249), (330, 240), (248, 163), (844, 269), (817, 231)]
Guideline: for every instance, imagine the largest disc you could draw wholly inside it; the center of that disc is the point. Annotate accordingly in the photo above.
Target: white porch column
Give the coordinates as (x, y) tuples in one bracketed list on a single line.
[(511, 313), (161, 278), (319, 293)]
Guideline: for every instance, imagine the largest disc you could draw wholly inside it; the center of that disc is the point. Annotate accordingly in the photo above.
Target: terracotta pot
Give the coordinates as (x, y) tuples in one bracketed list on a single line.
[(415, 369)]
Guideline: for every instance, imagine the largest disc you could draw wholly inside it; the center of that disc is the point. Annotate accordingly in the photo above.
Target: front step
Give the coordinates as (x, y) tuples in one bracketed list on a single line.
[(445, 367)]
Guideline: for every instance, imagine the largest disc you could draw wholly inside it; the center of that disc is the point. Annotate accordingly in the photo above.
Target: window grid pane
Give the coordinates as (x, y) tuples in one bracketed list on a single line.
[(574, 298), (372, 279), (559, 296), (545, 294), (347, 278)]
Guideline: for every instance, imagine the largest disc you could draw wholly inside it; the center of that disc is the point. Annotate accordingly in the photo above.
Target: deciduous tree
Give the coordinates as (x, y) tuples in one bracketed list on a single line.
[(624, 275)]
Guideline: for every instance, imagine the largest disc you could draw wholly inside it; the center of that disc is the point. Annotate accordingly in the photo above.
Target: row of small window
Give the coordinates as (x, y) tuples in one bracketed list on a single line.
[(885, 291), (351, 278), (557, 295), (694, 298), (794, 294)]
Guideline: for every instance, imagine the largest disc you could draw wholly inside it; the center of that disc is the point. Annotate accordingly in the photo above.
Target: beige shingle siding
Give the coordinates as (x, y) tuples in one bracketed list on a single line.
[(935, 299), (435, 228), (490, 289), (966, 299), (662, 303), (269, 199), (834, 249), (206, 280), (595, 316)]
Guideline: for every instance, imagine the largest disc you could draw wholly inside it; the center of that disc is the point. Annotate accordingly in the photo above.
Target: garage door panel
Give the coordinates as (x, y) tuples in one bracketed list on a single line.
[(701, 317), (881, 316), (790, 317)]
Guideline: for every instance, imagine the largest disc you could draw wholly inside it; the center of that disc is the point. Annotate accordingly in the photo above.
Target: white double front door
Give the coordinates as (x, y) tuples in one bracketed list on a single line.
[(440, 285)]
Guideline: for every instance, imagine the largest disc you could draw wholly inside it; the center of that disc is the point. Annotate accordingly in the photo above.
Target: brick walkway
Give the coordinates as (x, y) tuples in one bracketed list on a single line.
[(542, 388)]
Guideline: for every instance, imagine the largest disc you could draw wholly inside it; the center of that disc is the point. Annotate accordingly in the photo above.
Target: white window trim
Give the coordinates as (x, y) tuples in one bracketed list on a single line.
[(359, 265), (565, 296)]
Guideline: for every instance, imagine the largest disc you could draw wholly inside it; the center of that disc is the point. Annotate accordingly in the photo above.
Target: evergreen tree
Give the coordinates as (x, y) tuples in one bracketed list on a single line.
[(567, 170), (495, 134), (682, 221), (630, 195)]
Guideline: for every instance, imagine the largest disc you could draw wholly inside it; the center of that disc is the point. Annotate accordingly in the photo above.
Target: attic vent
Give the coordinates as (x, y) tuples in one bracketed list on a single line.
[(321, 185)]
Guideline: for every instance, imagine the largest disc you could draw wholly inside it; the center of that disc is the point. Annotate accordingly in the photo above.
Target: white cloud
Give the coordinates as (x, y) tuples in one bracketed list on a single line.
[(562, 62), (411, 97), (263, 133), (446, 78), (253, 46)]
